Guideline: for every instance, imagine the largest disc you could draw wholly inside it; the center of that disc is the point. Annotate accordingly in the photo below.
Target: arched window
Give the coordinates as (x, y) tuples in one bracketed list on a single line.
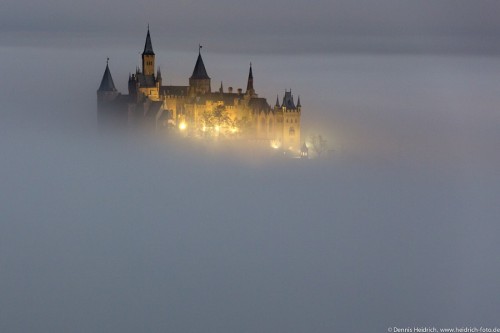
[(291, 131)]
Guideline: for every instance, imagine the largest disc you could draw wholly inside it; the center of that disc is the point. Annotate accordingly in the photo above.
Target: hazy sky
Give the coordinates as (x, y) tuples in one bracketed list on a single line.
[(399, 228), (262, 26)]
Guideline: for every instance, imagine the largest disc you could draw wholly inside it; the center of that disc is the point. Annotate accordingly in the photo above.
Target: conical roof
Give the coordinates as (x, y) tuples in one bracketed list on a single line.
[(199, 71), (250, 79), (107, 83), (148, 46)]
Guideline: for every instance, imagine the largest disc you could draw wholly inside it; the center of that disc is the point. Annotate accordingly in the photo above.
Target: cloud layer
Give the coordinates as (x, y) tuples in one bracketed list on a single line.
[(263, 27)]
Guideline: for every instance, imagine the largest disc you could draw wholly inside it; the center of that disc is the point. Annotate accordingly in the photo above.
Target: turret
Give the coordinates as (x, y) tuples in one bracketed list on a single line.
[(132, 87), (106, 95), (288, 102), (148, 57), (199, 82), (250, 90), (291, 121), (158, 78), (107, 91), (277, 105)]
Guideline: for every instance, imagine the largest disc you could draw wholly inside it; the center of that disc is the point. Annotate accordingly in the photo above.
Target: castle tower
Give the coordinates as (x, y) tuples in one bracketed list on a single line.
[(250, 90), (291, 122), (107, 91), (148, 57), (106, 95), (199, 82), (133, 87)]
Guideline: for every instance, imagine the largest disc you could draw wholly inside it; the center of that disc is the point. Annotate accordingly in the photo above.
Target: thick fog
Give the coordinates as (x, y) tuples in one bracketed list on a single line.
[(397, 227)]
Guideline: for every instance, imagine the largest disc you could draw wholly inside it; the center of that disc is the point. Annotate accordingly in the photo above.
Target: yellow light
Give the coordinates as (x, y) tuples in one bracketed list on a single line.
[(182, 126), (275, 144), (217, 128), (234, 130)]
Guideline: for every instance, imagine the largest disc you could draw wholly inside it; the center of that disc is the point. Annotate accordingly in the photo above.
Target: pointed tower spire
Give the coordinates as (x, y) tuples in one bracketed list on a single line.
[(277, 101), (148, 57), (107, 83), (148, 46), (199, 71), (250, 89), (199, 82), (221, 89), (298, 102)]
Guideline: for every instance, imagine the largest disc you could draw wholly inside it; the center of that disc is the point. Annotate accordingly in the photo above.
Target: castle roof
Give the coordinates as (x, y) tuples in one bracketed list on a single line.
[(199, 71), (107, 83), (259, 104), (148, 46), (250, 80), (227, 98), (288, 100)]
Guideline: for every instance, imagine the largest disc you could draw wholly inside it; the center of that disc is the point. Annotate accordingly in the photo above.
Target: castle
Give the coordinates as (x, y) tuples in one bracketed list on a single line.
[(196, 110)]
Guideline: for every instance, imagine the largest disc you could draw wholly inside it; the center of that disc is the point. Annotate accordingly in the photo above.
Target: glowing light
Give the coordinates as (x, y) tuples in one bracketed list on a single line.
[(182, 126), (234, 130), (217, 128), (276, 144)]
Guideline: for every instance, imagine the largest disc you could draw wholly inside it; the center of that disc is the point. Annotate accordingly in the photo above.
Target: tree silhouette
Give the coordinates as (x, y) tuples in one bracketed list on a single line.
[(319, 144), (217, 121)]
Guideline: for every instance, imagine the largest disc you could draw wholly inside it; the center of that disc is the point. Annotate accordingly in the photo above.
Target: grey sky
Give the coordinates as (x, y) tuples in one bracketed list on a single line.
[(263, 26)]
